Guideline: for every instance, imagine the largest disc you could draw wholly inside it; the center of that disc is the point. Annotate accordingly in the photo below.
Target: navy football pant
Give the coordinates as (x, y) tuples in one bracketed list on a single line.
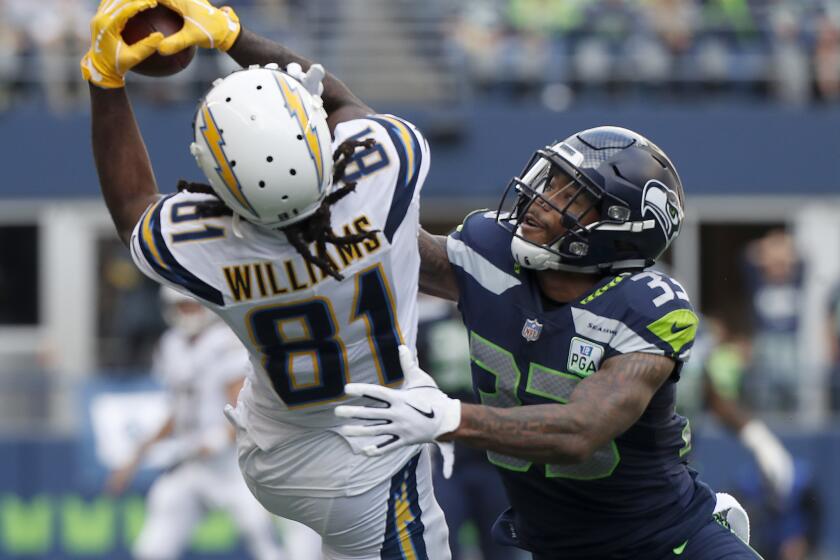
[(714, 542), (473, 493)]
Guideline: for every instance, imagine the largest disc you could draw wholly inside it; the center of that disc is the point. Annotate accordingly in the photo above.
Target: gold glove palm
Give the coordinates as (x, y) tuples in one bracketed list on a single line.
[(204, 25), (109, 57)]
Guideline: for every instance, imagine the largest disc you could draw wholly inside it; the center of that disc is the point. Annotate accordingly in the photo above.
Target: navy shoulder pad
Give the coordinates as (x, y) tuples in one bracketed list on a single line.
[(480, 250)]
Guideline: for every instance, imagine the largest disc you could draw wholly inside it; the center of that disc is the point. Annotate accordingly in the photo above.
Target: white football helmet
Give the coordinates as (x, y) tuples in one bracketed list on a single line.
[(263, 142), (184, 313)]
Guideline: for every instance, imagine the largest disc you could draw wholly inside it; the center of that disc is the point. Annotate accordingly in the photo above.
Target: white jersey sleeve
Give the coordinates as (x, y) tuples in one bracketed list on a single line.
[(394, 168), (173, 244)]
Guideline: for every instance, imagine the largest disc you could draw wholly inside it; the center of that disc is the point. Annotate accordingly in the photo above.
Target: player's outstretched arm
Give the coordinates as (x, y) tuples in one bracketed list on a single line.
[(773, 459), (119, 479), (436, 275), (125, 172), (601, 407), (339, 102)]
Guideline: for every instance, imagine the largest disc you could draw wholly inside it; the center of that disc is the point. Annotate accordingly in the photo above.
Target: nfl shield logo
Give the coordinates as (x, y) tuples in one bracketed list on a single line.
[(531, 330)]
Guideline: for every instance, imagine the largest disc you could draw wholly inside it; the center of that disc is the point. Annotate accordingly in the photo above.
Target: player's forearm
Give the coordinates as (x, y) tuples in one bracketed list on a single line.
[(729, 412), (125, 172), (164, 432), (436, 275), (542, 433), (250, 49)]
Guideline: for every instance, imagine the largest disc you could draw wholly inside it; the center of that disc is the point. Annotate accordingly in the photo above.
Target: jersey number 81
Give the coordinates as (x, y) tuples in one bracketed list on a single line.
[(319, 341)]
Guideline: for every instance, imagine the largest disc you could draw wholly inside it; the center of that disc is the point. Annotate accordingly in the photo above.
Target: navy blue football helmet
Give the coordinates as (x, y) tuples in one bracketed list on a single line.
[(629, 181)]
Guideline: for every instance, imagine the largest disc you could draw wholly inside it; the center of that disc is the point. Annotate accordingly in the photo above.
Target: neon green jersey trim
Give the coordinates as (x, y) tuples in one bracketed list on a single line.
[(679, 550), (677, 328)]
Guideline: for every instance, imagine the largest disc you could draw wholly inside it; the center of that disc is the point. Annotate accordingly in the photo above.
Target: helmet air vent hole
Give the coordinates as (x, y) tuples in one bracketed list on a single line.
[(233, 163), (262, 184), (295, 212), (227, 100), (300, 136), (259, 87), (617, 172), (269, 159), (659, 161), (292, 172), (284, 197)]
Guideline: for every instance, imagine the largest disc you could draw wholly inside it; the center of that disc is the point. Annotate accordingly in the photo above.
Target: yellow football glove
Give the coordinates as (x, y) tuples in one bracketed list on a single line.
[(204, 25), (109, 58)]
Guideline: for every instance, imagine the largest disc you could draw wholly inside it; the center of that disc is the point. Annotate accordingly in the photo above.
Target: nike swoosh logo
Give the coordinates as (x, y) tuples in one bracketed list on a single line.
[(679, 550), (675, 328), (430, 414)]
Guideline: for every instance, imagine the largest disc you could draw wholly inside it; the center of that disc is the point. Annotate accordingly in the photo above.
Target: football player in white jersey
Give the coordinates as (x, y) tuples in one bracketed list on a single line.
[(202, 365), (305, 244)]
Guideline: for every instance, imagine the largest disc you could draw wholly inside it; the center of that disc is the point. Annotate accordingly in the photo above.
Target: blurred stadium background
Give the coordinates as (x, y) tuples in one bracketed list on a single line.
[(743, 94)]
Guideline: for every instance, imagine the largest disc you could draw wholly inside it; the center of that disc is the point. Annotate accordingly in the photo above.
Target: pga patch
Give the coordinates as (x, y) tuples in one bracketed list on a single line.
[(584, 357)]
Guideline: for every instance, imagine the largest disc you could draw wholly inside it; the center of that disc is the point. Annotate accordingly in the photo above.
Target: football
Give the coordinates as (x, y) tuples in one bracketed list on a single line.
[(160, 18)]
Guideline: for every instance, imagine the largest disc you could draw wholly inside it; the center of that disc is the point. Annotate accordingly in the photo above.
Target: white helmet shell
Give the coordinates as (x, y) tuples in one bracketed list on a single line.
[(264, 144)]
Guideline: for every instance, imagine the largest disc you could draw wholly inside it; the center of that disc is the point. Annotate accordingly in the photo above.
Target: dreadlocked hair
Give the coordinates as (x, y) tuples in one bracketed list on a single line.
[(315, 228), (208, 208)]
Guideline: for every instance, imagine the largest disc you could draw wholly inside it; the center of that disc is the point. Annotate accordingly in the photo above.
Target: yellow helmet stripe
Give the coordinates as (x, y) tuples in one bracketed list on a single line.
[(297, 110), (213, 137), (408, 141)]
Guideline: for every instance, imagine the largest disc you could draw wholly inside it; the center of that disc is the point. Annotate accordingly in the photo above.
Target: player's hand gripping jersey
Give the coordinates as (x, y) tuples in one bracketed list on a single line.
[(526, 351), (307, 333)]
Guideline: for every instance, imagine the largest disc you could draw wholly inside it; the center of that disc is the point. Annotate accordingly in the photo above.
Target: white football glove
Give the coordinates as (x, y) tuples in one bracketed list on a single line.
[(417, 413), (774, 461)]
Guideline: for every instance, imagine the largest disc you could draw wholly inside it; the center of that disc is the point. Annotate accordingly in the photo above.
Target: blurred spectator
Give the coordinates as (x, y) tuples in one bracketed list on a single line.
[(827, 56), (769, 49), (12, 43), (774, 275), (786, 531), (790, 74), (717, 371), (59, 32)]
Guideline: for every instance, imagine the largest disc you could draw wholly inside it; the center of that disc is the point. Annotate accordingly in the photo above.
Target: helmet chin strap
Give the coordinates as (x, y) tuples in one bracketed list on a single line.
[(532, 256), (535, 257)]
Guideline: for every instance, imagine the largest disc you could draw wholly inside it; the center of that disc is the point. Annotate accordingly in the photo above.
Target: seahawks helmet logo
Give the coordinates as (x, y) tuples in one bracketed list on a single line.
[(663, 203)]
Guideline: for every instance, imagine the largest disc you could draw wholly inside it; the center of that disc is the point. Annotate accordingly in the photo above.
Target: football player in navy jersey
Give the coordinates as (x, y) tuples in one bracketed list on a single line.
[(576, 349)]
